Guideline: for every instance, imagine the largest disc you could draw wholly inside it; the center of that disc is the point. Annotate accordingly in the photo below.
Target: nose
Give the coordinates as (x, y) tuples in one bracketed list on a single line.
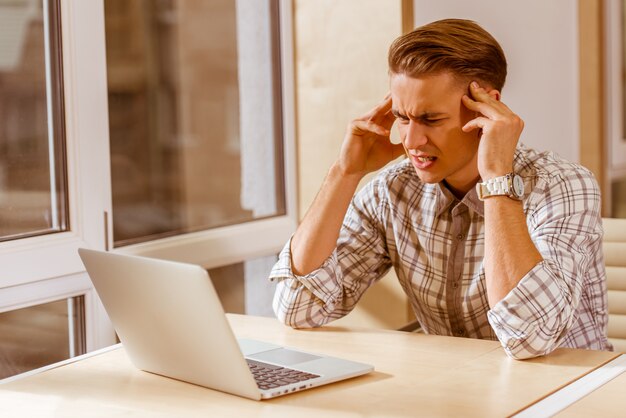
[(415, 135)]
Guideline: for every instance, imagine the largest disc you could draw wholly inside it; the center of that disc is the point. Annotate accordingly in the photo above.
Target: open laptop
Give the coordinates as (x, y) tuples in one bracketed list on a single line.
[(171, 322)]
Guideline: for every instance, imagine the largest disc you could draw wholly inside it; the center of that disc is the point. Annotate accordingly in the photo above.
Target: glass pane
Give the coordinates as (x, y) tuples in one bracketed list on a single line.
[(40, 335), (244, 288), (32, 162), (194, 113)]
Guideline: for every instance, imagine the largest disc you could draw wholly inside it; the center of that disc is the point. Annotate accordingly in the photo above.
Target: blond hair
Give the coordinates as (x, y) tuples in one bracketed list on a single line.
[(458, 46)]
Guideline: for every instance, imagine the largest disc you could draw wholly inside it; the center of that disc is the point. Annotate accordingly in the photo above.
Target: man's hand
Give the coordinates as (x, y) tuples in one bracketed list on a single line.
[(501, 129), (366, 146)]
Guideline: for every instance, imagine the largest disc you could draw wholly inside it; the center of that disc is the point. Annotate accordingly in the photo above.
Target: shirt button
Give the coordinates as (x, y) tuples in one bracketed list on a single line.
[(460, 237), (455, 284), (459, 332)]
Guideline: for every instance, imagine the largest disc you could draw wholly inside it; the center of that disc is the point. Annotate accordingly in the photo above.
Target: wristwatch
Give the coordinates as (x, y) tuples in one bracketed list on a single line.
[(511, 185)]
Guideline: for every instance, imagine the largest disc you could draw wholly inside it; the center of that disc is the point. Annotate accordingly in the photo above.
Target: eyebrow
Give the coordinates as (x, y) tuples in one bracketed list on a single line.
[(421, 116)]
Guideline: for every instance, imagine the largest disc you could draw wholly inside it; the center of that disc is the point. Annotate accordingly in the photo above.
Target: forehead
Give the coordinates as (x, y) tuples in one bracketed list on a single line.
[(428, 94)]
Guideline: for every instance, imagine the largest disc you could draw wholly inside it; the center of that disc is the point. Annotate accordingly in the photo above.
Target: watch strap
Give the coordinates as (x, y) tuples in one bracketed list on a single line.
[(497, 186)]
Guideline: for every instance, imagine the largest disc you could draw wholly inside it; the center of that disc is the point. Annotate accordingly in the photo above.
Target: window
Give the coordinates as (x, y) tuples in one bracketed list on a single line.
[(194, 115), (45, 299), (200, 122), (39, 335), (58, 192), (32, 158)]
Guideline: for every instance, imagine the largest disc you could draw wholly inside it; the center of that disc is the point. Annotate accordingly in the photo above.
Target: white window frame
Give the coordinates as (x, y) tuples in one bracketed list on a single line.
[(46, 268)]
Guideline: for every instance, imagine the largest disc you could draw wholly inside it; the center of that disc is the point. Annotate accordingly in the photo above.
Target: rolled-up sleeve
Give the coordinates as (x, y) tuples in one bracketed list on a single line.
[(331, 291), (536, 316)]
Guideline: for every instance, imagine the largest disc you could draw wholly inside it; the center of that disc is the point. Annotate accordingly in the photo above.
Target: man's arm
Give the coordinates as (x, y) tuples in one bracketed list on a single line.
[(562, 299), (534, 284), (509, 251), (366, 148), (312, 288), (316, 236), (359, 259)]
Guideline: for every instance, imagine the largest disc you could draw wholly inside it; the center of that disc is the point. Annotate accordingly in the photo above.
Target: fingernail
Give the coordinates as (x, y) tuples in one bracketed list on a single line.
[(474, 84)]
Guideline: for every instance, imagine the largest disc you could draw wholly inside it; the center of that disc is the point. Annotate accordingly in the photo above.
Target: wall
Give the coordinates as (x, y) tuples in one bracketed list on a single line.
[(540, 40), (341, 72)]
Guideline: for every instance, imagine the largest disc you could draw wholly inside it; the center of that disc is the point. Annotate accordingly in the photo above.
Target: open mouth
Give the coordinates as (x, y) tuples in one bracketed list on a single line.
[(423, 162)]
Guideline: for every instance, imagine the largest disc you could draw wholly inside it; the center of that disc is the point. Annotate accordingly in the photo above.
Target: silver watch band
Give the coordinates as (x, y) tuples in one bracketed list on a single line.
[(510, 185), (497, 186)]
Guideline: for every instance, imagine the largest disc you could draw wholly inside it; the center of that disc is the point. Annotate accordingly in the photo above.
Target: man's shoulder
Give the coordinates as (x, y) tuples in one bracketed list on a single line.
[(547, 165)]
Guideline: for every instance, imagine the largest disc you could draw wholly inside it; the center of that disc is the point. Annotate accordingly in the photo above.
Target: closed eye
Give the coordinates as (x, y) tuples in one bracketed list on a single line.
[(426, 118), (403, 121), (433, 121)]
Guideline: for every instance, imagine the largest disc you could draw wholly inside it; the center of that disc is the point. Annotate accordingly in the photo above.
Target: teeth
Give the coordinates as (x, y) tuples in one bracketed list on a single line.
[(424, 159)]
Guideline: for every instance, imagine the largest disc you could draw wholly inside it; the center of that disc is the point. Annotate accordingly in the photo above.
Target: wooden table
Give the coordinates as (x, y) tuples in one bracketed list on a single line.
[(608, 400), (415, 374)]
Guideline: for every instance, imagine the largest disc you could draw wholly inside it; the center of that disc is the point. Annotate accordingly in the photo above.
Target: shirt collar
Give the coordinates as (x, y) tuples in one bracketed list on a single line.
[(445, 198), (472, 201)]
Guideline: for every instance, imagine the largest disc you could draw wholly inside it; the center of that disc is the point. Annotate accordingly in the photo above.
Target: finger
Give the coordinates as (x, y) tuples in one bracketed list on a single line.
[(482, 95), (477, 123), (388, 119), (361, 127), (484, 108)]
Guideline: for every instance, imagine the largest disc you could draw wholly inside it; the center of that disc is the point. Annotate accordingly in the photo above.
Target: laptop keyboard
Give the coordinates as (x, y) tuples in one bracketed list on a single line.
[(268, 376)]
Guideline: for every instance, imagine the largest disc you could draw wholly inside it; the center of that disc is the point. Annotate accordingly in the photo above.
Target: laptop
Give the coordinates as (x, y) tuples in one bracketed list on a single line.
[(171, 323)]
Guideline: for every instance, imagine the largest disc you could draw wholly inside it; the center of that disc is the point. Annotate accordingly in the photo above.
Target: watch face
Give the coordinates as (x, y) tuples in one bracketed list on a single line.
[(518, 186)]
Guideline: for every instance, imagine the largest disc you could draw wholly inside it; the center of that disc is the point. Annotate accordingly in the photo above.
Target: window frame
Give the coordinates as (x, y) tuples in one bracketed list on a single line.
[(45, 268)]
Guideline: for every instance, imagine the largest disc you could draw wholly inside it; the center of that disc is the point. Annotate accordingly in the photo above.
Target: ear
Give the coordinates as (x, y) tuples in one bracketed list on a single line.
[(494, 94)]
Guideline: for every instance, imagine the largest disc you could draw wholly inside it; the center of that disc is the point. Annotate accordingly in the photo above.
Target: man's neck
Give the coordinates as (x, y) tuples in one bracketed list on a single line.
[(460, 193)]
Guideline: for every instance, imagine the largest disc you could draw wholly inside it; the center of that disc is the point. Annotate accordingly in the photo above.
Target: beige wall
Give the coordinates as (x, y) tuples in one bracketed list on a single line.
[(341, 72), (539, 39)]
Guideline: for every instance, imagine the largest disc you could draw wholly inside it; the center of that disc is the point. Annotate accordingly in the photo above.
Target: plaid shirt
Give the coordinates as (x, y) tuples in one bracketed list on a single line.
[(436, 245)]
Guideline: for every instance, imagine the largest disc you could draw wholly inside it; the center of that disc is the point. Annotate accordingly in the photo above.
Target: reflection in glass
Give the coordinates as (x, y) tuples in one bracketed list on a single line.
[(40, 335), (32, 162), (194, 113)]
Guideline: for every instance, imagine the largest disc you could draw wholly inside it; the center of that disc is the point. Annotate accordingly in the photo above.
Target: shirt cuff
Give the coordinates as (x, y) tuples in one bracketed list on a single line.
[(530, 320), (323, 282)]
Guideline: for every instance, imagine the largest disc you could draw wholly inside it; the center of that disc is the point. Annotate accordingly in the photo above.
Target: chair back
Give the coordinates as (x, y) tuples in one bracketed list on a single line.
[(614, 244)]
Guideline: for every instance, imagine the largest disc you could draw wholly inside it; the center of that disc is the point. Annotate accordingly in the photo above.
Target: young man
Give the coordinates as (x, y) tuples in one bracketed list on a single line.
[(488, 238)]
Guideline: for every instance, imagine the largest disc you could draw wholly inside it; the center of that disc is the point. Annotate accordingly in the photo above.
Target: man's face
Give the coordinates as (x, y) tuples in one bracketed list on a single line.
[(430, 116)]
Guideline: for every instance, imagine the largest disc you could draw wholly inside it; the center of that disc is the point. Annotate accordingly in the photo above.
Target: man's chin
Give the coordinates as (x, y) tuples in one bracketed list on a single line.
[(428, 178)]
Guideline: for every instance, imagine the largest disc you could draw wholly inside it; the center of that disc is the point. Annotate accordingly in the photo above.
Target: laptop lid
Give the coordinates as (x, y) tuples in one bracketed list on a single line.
[(171, 322)]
